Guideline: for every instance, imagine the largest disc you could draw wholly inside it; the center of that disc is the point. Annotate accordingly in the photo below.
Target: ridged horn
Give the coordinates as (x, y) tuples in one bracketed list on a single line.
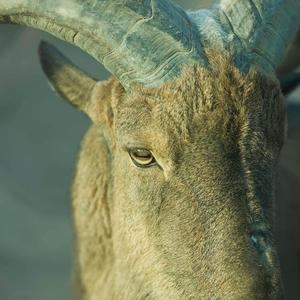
[(253, 31), (144, 41)]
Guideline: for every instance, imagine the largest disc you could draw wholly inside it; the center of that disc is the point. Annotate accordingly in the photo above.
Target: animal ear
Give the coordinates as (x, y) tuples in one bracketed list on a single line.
[(74, 85), (288, 78), (292, 58), (289, 82)]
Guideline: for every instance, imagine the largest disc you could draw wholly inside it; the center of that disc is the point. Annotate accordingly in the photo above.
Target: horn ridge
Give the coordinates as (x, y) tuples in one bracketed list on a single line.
[(252, 31), (264, 28), (131, 38)]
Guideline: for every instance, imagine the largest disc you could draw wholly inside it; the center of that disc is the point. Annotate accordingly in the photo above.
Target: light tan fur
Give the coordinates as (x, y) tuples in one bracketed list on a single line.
[(181, 231)]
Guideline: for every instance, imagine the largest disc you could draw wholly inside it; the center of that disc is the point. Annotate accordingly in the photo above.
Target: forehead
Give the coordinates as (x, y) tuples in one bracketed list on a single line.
[(199, 103), (172, 107)]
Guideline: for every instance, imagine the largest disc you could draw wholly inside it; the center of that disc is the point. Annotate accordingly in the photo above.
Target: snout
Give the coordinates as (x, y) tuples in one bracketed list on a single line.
[(225, 260)]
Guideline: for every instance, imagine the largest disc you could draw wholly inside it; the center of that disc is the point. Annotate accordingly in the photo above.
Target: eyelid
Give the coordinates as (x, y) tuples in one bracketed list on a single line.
[(144, 166), (131, 146), (135, 158)]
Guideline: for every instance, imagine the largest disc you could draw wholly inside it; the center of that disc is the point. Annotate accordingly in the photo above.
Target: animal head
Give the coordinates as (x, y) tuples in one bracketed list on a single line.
[(187, 136)]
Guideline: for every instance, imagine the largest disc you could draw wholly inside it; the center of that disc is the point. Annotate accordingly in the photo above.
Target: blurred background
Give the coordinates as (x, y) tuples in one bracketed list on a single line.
[(40, 136)]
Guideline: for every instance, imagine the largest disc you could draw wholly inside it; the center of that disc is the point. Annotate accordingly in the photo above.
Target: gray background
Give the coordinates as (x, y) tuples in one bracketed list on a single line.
[(40, 136)]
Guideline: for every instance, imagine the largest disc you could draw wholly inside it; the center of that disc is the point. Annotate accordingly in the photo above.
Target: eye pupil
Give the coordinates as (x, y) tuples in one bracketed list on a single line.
[(142, 158)]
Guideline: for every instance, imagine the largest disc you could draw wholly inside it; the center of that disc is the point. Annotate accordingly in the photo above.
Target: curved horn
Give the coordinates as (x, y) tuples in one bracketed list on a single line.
[(145, 41), (254, 31)]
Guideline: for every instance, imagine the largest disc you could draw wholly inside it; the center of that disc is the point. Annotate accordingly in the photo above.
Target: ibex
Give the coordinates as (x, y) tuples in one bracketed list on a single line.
[(175, 182)]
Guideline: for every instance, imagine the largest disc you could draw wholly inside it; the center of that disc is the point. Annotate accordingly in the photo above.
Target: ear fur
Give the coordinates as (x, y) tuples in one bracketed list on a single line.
[(75, 86)]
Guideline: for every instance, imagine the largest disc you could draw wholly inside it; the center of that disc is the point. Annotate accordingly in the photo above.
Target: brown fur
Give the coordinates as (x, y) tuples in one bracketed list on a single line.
[(181, 231)]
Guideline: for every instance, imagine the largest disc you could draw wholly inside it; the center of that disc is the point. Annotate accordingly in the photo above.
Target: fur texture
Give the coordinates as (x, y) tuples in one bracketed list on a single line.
[(183, 229)]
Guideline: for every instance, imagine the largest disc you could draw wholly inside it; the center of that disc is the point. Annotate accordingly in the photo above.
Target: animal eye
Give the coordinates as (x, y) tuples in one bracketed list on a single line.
[(142, 158)]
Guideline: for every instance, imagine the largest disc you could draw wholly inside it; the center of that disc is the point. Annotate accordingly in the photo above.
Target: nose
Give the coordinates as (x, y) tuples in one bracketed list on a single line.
[(261, 238), (268, 257), (263, 246)]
